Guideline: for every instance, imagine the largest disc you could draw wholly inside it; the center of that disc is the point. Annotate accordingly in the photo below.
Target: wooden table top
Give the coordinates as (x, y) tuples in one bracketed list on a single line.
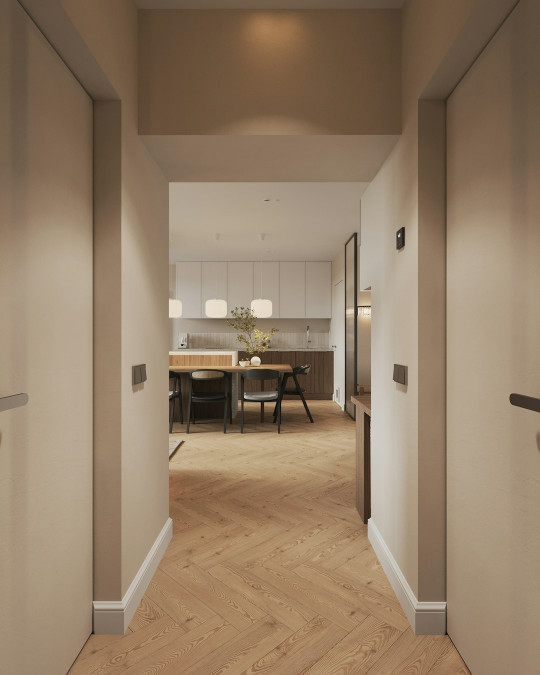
[(363, 401), (280, 367)]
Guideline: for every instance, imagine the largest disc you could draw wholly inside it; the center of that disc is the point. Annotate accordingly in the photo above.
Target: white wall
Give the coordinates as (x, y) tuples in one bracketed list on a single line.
[(363, 341)]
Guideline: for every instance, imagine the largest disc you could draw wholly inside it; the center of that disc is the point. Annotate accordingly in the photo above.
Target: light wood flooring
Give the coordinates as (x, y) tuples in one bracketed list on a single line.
[(270, 569)]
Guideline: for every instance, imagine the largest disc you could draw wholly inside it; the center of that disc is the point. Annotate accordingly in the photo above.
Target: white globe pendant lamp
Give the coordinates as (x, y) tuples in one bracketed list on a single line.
[(175, 308), (215, 308), (261, 307)]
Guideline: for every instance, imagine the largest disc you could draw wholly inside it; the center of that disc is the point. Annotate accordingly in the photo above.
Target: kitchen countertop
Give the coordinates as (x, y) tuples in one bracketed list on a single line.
[(206, 350), (301, 349), (212, 350)]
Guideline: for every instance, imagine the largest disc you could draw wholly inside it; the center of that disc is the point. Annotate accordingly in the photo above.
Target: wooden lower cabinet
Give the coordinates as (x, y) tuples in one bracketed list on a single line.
[(319, 384)]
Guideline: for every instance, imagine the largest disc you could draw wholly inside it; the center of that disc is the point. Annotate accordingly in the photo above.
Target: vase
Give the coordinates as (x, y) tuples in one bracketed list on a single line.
[(255, 361)]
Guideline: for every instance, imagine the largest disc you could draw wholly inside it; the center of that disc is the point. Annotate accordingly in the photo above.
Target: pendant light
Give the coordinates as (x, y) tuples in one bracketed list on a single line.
[(261, 307), (215, 308), (175, 308)]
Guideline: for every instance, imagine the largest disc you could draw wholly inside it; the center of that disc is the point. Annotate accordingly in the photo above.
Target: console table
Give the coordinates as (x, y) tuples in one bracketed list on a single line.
[(363, 455)]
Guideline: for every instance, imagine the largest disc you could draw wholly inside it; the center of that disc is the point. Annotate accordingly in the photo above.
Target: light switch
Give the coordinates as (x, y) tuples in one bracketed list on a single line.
[(400, 374), (138, 373)]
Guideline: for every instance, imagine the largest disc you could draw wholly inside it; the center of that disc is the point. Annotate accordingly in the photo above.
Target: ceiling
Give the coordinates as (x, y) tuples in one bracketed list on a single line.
[(219, 184), (247, 158), (300, 221), (269, 4)]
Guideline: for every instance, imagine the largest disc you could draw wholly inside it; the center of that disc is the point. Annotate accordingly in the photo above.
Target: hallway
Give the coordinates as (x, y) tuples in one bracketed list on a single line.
[(270, 569)]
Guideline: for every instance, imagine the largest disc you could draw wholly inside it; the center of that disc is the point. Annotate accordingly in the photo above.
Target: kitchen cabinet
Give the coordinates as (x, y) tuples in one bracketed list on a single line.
[(320, 381), (188, 288), (298, 290), (267, 285), (319, 384), (240, 291), (318, 290), (292, 290), (213, 282)]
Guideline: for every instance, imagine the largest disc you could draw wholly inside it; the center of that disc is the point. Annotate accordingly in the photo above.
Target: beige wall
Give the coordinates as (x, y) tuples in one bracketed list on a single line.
[(493, 340), (273, 72), (136, 275), (407, 460), (46, 352), (408, 294)]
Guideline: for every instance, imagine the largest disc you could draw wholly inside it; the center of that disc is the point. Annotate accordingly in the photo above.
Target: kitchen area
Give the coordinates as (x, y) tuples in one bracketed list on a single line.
[(296, 289), (279, 246)]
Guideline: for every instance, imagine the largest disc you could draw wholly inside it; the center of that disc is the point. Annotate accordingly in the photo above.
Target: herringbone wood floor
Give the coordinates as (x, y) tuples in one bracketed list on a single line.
[(269, 569)]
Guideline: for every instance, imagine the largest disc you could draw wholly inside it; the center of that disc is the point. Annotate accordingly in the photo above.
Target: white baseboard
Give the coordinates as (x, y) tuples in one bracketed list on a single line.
[(426, 618), (335, 400), (113, 617)]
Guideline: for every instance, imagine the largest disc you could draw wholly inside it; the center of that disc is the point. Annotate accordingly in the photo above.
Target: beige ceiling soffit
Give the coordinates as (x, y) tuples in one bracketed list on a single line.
[(485, 20), (55, 24), (269, 4), (270, 158)]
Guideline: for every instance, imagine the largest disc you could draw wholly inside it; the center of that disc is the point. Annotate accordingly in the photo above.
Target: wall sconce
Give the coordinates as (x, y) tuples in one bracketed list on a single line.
[(175, 308), (364, 310)]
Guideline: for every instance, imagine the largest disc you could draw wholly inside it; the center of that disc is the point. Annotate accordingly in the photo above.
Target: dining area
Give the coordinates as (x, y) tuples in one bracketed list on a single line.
[(204, 387)]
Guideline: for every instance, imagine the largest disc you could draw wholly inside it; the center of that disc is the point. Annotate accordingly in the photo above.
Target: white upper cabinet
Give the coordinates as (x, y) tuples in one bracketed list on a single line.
[(188, 288), (214, 282), (239, 285), (267, 285), (298, 290), (292, 290), (318, 290)]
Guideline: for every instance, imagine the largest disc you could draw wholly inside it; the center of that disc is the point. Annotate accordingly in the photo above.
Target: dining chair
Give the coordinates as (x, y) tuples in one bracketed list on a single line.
[(175, 394), (200, 396), (297, 390), (261, 396)]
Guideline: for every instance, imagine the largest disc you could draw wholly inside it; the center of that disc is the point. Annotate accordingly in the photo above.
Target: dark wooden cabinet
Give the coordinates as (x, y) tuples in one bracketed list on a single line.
[(319, 384)]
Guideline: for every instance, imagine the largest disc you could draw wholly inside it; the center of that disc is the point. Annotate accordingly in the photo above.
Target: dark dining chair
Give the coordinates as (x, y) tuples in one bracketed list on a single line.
[(261, 396), (199, 396), (297, 390), (175, 394)]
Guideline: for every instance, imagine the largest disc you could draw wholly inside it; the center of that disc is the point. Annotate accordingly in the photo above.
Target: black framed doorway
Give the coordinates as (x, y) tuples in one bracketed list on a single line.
[(351, 311)]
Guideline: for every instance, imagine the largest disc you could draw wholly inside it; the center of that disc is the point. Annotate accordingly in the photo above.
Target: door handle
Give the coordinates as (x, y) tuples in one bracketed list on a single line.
[(15, 401), (528, 402)]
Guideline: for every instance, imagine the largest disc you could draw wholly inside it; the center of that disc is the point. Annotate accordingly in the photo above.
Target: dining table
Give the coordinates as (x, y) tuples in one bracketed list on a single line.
[(234, 372)]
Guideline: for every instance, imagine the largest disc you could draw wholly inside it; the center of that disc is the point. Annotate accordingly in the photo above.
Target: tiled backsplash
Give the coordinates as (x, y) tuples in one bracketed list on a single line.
[(280, 340)]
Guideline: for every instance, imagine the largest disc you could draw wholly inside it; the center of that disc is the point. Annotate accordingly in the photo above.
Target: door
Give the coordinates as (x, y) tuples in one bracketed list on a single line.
[(337, 340), (46, 353), (493, 449), (351, 325)]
